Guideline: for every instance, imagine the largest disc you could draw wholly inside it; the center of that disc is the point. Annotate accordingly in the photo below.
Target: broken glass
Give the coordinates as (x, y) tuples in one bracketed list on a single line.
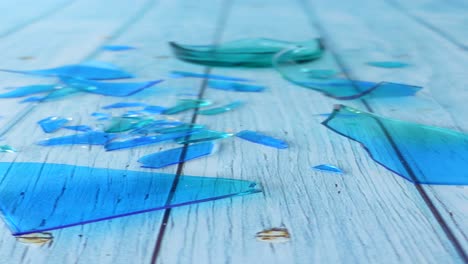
[(186, 104), (259, 138), (142, 141), (101, 116), (32, 99), (183, 74), (37, 197), (328, 168), (52, 123), (28, 90), (388, 64), (88, 138), (6, 148), (257, 52), (419, 153), (221, 109), (178, 155), (81, 128), (166, 127), (117, 47), (108, 88), (126, 123), (320, 73), (235, 86), (124, 104), (203, 135), (154, 109)]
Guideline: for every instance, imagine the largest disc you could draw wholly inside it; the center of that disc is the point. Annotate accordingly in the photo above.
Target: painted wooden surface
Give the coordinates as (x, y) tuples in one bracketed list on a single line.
[(369, 215)]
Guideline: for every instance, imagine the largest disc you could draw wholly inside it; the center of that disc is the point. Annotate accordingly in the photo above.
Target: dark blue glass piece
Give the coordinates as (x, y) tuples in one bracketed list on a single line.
[(388, 64), (236, 87), (182, 74), (28, 90), (259, 138), (328, 168), (109, 88), (88, 138), (117, 47), (221, 109), (124, 104), (101, 116), (37, 197), (52, 123), (174, 156), (154, 109), (81, 128), (142, 141)]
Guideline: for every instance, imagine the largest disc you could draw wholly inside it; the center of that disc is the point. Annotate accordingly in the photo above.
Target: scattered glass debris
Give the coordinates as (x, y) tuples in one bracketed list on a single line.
[(183, 74), (388, 64), (328, 168), (221, 109), (186, 104), (117, 47), (35, 238), (6, 148), (52, 123), (142, 141), (29, 90), (174, 156), (256, 52), (67, 195), (274, 235), (126, 123), (124, 104), (154, 109), (419, 153), (166, 126), (108, 88), (259, 138), (88, 138), (101, 116), (81, 128), (235, 86), (203, 135)]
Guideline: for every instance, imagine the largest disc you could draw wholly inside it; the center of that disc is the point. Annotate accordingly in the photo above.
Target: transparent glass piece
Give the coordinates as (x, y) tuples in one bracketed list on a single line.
[(235, 86), (186, 104), (52, 123), (122, 124), (7, 148), (154, 109), (82, 71), (88, 138), (142, 141), (328, 168), (81, 128), (257, 52), (183, 74), (259, 138), (109, 88), (37, 197), (101, 116), (419, 153), (28, 90), (60, 93), (166, 127), (174, 156), (388, 64), (320, 73), (203, 135), (117, 47), (298, 72), (124, 104), (221, 109)]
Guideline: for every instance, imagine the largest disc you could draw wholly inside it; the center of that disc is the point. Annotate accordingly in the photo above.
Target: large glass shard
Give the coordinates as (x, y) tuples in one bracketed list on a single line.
[(235, 86), (299, 72), (183, 74), (328, 168), (256, 52), (52, 123), (186, 104), (166, 127), (142, 141), (388, 64), (221, 109), (29, 90), (108, 88), (117, 47), (259, 138), (419, 153), (81, 71), (203, 135), (7, 148), (37, 197), (88, 138), (123, 105), (122, 124), (174, 156)]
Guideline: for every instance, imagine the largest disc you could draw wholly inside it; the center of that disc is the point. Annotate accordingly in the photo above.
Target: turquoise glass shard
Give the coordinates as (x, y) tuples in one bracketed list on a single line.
[(235, 86), (107, 88), (37, 197), (123, 105), (202, 136), (7, 148), (122, 124), (419, 153), (186, 104), (221, 109), (81, 128), (328, 168), (52, 123), (154, 109), (174, 156), (166, 127), (257, 52), (82, 71), (259, 138), (29, 90), (88, 138), (117, 47), (388, 64), (143, 141), (183, 74)]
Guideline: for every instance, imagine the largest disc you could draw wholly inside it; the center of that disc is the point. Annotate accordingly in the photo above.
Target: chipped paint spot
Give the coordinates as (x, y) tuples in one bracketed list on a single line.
[(36, 238), (274, 235)]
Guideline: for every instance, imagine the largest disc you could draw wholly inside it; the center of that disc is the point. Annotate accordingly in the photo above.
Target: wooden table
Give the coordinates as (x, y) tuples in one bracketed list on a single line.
[(368, 215)]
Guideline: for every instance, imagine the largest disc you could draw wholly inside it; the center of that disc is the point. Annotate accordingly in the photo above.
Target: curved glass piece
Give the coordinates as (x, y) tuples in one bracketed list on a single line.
[(257, 52), (388, 64), (124, 104), (7, 148), (88, 138), (28, 90), (37, 197), (262, 139), (419, 153), (305, 74), (328, 168), (52, 123), (178, 155), (108, 88), (117, 47), (235, 86), (221, 109)]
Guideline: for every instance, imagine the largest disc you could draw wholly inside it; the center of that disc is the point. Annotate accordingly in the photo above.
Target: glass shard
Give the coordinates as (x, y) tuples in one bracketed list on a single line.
[(256, 52), (320, 73), (202, 136), (88, 138), (28, 90), (186, 104), (37, 197), (166, 127), (117, 47), (259, 138), (81, 128), (32, 99), (221, 109), (388, 64), (123, 105), (60, 93), (6, 148), (107, 88), (182, 74), (154, 109), (122, 124), (52, 123), (328, 168), (174, 156), (142, 141), (419, 153), (236, 87), (101, 116)]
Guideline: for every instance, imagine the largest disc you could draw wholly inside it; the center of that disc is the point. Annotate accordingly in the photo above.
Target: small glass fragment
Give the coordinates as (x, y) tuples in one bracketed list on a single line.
[(117, 47), (6, 148), (52, 123), (29, 90), (328, 168), (88, 138), (124, 104), (154, 109), (186, 104), (419, 153), (274, 235), (81, 128), (259, 138), (109, 88), (174, 156), (101, 116), (235, 86), (202, 136), (38, 197), (320, 73), (388, 64), (257, 52), (35, 238), (126, 123), (142, 141), (221, 109), (183, 74)]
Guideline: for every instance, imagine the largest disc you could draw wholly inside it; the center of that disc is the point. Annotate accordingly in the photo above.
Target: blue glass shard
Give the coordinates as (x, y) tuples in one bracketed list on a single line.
[(142, 141), (37, 197), (60, 93), (101, 116), (182, 74), (166, 126), (186, 104), (221, 109), (88, 138), (154, 109), (28, 90), (259, 138), (107, 88), (320, 73), (202, 136), (82, 128), (126, 123), (124, 104), (117, 47), (236, 87), (174, 156), (388, 64), (328, 168), (52, 123), (32, 99), (134, 113), (7, 148)]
